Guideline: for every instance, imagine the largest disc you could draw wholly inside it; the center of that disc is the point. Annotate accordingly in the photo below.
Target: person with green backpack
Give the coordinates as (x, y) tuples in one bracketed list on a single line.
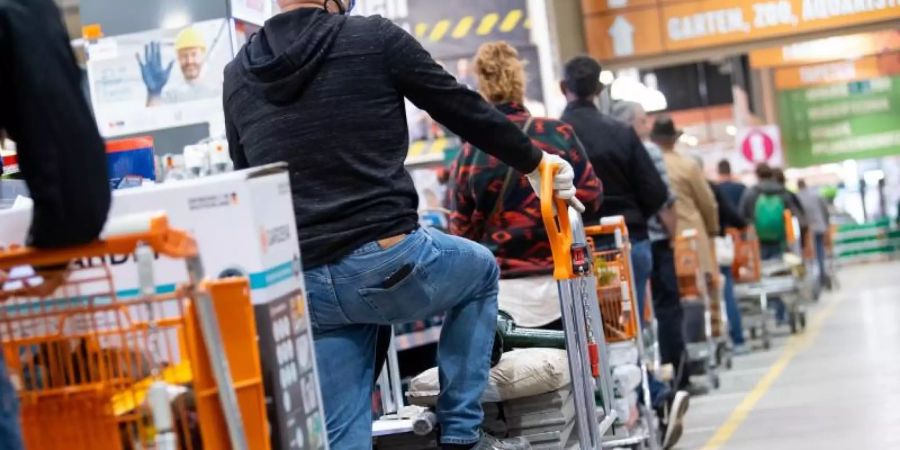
[(764, 206)]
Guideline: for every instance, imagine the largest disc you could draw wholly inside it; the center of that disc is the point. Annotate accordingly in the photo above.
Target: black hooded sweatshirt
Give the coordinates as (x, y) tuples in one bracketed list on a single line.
[(325, 94)]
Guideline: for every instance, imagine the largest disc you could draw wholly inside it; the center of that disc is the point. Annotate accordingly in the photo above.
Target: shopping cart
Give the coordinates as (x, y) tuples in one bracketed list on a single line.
[(617, 297), (700, 312), (585, 346), (96, 368), (747, 271)]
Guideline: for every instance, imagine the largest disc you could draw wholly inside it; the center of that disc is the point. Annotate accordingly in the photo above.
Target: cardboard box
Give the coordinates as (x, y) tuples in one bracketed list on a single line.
[(244, 225)]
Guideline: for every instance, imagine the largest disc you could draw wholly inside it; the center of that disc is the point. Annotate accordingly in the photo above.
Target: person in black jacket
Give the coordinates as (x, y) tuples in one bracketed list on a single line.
[(60, 153), (324, 92), (632, 185), (729, 217), (633, 188)]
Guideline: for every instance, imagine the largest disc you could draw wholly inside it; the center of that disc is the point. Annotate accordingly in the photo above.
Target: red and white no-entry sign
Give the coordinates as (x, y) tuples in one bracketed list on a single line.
[(760, 144)]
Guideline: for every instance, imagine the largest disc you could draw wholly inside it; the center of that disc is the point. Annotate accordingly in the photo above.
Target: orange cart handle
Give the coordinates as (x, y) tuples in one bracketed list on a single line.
[(790, 233), (609, 226), (559, 230), (153, 230)]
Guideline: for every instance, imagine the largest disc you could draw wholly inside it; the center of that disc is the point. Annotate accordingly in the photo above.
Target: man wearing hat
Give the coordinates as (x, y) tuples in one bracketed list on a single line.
[(695, 205)]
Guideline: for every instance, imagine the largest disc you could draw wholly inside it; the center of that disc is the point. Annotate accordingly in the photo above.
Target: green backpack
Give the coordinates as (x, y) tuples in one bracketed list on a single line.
[(769, 213)]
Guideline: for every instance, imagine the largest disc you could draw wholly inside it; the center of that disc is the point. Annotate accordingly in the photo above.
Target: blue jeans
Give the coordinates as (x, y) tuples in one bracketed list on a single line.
[(732, 311), (10, 430), (820, 257), (642, 264), (774, 251), (349, 301)]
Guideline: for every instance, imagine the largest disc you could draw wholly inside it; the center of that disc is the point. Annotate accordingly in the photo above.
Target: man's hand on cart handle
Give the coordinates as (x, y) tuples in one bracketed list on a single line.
[(563, 180)]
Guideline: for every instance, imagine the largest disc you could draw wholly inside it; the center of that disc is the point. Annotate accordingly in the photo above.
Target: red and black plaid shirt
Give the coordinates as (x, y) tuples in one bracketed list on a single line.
[(516, 234)]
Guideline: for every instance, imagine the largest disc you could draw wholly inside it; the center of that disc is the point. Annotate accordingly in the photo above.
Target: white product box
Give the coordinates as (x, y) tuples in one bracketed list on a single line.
[(243, 223)]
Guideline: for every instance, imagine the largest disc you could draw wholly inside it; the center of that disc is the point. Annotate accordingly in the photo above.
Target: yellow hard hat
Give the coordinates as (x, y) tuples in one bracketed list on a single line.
[(189, 38)]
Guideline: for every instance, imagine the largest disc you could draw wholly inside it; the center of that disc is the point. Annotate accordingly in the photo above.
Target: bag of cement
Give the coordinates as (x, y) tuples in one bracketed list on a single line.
[(520, 373)]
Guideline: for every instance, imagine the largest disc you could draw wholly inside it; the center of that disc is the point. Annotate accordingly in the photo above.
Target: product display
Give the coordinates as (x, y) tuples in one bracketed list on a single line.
[(261, 246)]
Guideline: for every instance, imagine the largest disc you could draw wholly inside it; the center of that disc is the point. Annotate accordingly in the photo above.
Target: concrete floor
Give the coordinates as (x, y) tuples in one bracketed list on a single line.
[(836, 386)]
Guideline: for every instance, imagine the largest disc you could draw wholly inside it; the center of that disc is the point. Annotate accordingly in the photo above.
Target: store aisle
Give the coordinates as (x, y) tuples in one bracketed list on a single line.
[(835, 387)]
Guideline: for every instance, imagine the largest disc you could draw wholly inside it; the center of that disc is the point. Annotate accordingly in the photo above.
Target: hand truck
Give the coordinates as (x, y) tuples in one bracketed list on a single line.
[(96, 368), (585, 346)]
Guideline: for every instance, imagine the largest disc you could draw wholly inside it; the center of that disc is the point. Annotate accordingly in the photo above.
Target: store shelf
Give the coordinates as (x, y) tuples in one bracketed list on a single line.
[(417, 338)]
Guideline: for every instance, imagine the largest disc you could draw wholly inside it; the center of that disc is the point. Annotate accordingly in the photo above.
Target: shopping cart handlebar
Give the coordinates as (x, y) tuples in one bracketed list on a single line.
[(559, 229), (609, 226), (118, 239)]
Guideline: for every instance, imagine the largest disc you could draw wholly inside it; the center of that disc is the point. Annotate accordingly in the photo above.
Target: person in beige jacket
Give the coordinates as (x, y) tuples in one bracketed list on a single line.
[(695, 205)]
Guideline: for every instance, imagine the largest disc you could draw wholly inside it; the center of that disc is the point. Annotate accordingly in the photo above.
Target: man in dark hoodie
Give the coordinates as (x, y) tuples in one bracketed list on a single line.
[(324, 92)]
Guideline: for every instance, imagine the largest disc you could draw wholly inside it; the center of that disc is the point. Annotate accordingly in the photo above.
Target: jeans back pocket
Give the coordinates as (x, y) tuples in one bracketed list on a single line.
[(408, 299)]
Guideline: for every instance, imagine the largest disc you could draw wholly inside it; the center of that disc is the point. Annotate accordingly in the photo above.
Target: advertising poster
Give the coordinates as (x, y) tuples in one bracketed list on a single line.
[(452, 33), (159, 79), (252, 11)]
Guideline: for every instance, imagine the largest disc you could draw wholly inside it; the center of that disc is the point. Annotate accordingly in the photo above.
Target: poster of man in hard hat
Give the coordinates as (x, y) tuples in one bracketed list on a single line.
[(160, 78)]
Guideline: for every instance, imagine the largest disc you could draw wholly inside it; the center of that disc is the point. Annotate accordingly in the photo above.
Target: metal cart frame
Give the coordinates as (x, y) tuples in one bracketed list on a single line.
[(622, 324)]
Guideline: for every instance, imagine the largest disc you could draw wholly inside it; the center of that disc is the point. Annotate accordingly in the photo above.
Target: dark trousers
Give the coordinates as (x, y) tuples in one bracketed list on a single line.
[(669, 313)]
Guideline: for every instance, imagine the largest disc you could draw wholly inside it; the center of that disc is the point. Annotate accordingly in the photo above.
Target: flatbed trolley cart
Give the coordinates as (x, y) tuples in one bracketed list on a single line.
[(747, 272), (99, 369), (585, 346), (694, 291), (616, 292)]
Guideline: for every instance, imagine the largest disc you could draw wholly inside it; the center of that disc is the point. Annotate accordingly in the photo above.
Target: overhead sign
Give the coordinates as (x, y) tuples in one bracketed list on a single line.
[(600, 6), (617, 35), (760, 145), (839, 71), (690, 25), (827, 49), (836, 122)]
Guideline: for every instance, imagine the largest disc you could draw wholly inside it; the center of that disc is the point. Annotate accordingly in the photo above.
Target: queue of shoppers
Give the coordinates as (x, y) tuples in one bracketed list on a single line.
[(367, 262)]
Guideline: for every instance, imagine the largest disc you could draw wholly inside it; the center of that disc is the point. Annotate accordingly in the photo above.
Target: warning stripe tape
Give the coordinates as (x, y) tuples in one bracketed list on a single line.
[(464, 27), (422, 148)]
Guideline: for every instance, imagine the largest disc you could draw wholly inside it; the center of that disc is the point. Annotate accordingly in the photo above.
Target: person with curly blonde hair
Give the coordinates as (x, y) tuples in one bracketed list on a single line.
[(492, 204)]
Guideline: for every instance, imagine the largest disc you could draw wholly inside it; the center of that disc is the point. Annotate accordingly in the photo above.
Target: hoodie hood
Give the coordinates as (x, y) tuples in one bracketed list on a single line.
[(771, 187), (288, 52)]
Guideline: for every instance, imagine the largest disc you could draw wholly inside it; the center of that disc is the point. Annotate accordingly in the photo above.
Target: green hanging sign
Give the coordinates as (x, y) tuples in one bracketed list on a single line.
[(833, 123)]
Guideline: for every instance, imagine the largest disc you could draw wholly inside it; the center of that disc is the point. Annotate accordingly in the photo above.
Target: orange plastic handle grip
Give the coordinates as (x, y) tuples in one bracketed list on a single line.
[(559, 231)]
